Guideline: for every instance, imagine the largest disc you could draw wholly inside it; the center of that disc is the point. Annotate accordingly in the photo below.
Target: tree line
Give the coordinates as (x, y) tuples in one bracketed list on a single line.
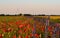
[(21, 15), (26, 15)]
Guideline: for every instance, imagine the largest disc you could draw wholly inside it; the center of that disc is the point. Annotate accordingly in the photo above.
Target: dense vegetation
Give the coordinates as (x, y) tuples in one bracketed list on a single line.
[(23, 27)]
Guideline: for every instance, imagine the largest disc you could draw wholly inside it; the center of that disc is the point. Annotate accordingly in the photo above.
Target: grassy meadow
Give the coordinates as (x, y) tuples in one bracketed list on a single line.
[(23, 26)]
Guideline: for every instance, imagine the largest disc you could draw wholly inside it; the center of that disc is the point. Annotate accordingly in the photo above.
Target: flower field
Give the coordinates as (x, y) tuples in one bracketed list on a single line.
[(27, 27)]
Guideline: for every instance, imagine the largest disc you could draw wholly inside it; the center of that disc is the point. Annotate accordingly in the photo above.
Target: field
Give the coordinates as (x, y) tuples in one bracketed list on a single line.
[(29, 26)]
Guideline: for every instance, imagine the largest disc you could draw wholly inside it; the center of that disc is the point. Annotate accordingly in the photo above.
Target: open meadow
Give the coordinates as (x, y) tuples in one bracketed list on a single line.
[(29, 26)]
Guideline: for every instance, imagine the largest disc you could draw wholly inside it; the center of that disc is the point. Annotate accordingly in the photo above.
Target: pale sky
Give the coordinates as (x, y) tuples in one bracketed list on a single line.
[(30, 6)]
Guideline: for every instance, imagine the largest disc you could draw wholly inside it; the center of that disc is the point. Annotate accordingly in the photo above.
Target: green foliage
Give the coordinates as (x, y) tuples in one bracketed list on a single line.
[(55, 20)]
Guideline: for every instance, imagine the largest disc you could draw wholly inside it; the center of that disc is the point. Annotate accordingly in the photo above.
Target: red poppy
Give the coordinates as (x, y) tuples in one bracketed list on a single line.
[(33, 29), (4, 25), (9, 29), (31, 35), (28, 26), (36, 35), (49, 28), (18, 22), (4, 30), (20, 31), (26, 36), (43, 29), (20, 26), (25, 29), (14, 36), (1, 36), (19, 36)]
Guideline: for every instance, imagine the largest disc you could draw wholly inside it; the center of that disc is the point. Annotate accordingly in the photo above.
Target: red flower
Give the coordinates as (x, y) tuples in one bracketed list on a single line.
[(51, 32), (28, 26), (36, 35), (18, 22), (31, 35), (33, 29), (11, 22), (14, 36), (20, 26), (19, 36), (4, 25), (9, 29), (0, 35), (25, 29), (49, 28), (26, 36), (4, 30), (43, 29), (20, 31)]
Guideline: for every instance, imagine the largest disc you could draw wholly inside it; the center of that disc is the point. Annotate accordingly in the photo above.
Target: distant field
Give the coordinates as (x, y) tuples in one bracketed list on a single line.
[(55, 17), (51, 17), (20, 17)]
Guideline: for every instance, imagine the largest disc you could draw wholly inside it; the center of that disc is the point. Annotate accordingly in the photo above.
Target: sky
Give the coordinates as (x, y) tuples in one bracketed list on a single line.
[(47, 7)]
